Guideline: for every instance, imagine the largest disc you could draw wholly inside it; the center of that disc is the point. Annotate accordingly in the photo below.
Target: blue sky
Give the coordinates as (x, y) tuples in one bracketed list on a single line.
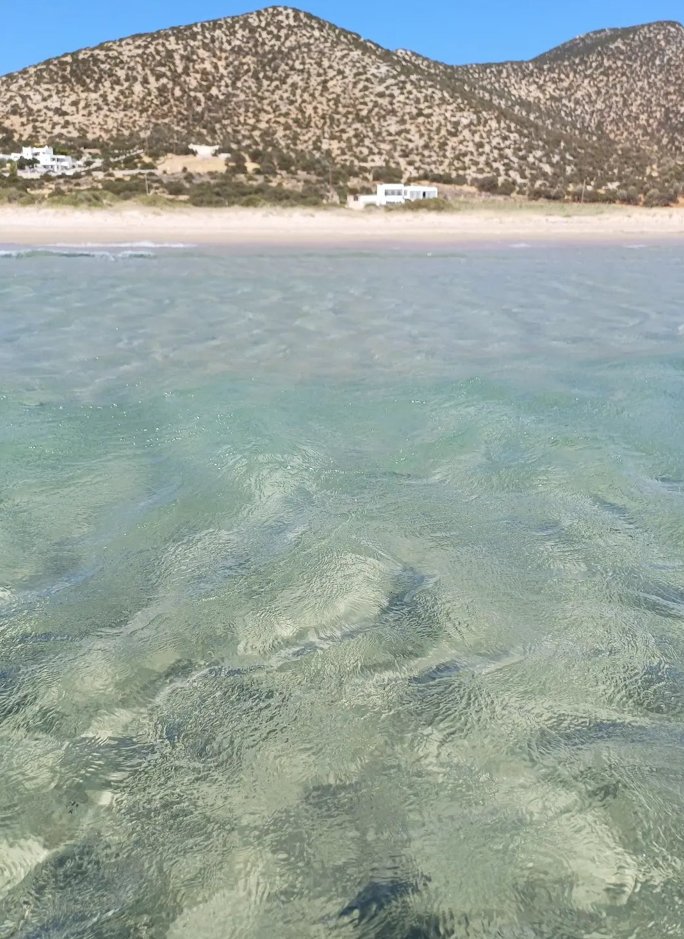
[(453, 31)]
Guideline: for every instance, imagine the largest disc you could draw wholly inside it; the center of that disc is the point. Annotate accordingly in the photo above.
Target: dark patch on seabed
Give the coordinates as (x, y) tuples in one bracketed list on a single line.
[(401, 601), (569, 733), (13, 697), (400, 909), (383, 909), (376, 897), (441, 672), (411, 614), (88, 890), (656, 688), (387, 910), (619, 512), (671, 483), (41, 638), (666, 600)]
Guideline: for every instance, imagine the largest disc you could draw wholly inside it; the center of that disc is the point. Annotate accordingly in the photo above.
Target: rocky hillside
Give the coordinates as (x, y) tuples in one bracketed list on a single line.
[(626, 84), (607, 109)]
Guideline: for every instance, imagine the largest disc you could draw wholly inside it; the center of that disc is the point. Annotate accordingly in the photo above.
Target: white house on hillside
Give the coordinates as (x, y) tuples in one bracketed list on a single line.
[(202, 151), (394, 194)]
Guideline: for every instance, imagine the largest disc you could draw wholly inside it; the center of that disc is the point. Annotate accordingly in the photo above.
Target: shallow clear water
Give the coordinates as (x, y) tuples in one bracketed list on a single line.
[(342, 595)]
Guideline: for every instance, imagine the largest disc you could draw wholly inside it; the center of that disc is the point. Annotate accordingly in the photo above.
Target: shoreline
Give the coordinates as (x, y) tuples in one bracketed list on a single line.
[(333, 228)]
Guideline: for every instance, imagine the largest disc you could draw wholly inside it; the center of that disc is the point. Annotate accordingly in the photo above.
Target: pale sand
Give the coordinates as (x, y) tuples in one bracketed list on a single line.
[(334, 227)]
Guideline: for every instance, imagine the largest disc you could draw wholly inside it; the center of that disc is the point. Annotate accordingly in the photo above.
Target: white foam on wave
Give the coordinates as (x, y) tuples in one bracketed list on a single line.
[(75, 251), (123, 245)]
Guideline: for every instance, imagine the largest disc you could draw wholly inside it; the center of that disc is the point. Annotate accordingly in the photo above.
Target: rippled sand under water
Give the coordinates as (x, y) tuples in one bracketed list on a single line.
[(342, 595)]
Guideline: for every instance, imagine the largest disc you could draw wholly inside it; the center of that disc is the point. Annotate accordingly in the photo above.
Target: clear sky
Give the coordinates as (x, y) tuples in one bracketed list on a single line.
[(455, 31)]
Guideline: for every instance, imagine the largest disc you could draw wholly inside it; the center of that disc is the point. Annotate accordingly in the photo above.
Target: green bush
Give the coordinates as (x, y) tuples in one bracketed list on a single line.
[(252, 201), (592, 195), (80, 198), (16, 197), (205, 197), (656, 198), (387, 174), (12, 181), (227, 191), (446, 179), (427, 205), (175, 187), (549, 193), (127, 188), (609, 196), (486, 183), (628, 196)]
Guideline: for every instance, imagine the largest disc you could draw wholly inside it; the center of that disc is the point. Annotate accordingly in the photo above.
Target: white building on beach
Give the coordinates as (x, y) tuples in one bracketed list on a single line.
[(44, 160), (394, 194)]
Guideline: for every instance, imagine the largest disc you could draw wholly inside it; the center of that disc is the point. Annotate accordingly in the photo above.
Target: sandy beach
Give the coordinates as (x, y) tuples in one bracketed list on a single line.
[(343, 227)]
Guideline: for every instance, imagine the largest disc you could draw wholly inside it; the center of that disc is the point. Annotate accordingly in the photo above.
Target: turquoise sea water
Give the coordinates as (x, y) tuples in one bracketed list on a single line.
[(342, 595)]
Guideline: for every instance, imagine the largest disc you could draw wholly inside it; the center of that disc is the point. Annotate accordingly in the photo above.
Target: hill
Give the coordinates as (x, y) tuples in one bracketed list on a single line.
[(623, 84), (282, 87)]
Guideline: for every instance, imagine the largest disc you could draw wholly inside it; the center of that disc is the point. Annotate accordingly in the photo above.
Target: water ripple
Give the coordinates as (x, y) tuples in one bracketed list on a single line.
[(342, 595)]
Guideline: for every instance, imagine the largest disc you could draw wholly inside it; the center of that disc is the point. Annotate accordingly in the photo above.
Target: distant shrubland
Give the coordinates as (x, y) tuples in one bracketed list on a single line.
[(292, 99)]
